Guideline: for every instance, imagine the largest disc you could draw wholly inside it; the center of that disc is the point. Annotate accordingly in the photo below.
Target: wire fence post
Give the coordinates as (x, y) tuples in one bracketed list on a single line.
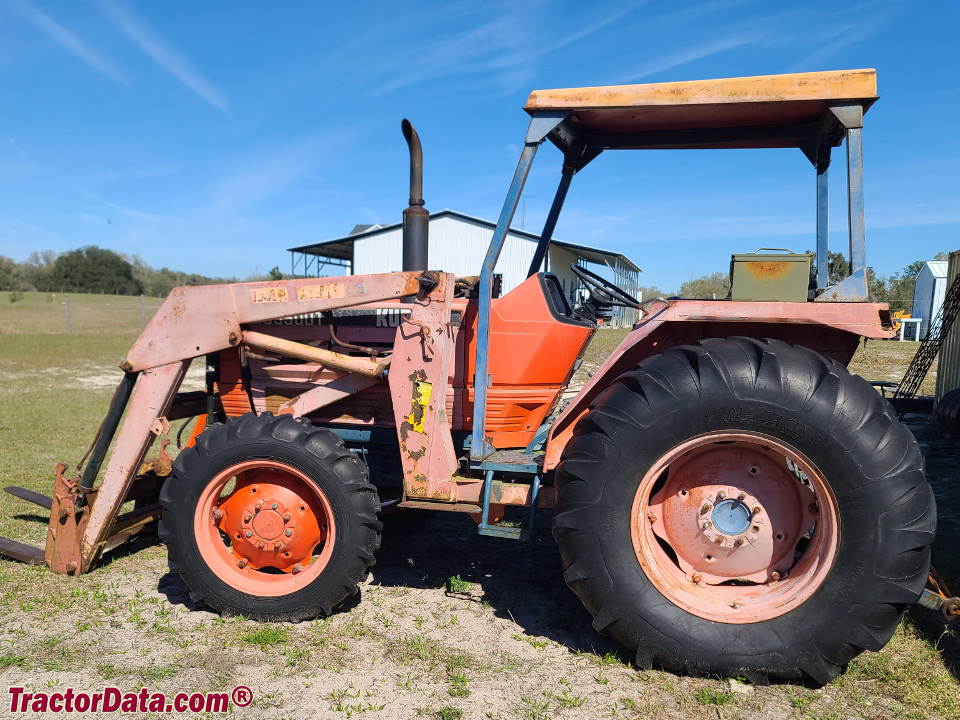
[(67, 303), (143, 313)]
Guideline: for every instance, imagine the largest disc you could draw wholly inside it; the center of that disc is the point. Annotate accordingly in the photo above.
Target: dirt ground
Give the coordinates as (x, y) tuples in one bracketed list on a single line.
[(448, 625)]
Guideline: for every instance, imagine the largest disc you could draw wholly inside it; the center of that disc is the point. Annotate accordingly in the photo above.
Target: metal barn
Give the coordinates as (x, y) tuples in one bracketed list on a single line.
[(458, 244), (928, 291)]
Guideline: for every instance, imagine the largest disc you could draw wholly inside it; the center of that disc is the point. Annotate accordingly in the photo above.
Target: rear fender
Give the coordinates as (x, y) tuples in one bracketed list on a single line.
[(831, 329)]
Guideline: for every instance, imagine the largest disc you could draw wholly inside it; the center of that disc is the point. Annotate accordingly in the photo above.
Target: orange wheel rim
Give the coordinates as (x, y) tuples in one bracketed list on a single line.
[(271, 535), (735, 527)]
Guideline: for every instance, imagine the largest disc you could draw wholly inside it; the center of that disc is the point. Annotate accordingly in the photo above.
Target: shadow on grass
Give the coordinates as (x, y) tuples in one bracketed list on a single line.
[(32, 517), (522, 582)]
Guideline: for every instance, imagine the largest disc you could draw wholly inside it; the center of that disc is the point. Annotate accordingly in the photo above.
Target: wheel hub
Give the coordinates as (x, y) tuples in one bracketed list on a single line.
[(731, 517), (732, 512), (269, 523)]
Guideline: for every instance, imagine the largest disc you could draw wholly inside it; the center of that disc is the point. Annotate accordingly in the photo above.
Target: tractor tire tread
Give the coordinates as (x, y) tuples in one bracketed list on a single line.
[(251, 435), (884, 555)]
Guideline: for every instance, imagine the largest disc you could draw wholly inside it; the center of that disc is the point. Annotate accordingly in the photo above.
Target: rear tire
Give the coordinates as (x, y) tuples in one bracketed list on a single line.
[(813, 408), (314, 478)]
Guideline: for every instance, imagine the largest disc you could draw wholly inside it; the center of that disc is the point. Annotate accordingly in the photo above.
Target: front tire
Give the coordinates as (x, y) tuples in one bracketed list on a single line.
[(270, 518), (744, 508)]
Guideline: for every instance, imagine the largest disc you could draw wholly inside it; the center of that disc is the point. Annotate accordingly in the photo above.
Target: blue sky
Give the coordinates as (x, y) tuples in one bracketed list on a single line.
[(209, 137)]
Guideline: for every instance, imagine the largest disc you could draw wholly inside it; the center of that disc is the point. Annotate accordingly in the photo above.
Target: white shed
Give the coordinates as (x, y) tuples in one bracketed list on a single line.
[(928, 291), (458, 244)]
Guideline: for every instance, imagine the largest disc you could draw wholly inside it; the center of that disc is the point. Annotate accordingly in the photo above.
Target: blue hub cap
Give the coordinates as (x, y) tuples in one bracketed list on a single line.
[(731, 517)]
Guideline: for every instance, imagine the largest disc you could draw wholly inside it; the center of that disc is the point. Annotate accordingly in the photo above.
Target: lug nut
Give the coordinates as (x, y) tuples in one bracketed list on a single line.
[(259, 505), (218, 515), (741, 497), (697, 577), (297, 568), (705, 508), (286, 518), (707, 525), (277, 546), (720, 539), (652, 517), (249, 534), (274, 506), (247, 518), (775, 575), (242, 564), (738, 542), (757, 510), (288, 532), (260, 545), (721, 495)]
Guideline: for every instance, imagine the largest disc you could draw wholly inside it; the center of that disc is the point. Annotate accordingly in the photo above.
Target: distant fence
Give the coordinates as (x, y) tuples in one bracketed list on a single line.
[(84, 314)]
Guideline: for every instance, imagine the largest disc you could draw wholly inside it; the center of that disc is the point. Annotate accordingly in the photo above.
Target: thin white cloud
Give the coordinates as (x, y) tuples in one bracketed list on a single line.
[(173, 61), (66, 39), (503, 47), (690, 54), (590, 29), (867, 20)]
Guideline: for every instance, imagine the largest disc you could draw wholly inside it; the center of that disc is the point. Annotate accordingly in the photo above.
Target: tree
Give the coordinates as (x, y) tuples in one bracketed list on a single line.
[(91, 269), (8, 274), (707, 286), (645, 292), (275, 273), (34, 270), (877, 290)]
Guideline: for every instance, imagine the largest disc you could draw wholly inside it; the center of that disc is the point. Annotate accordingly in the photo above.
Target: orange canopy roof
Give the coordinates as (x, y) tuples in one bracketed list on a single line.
[(764, 101)]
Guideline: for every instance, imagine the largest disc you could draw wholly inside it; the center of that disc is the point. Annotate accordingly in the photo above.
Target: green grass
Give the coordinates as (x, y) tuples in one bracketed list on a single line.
[(458, 684), (456, 585), (54, 392), (266, 636), (8, 660), (100, 314), (909, 671), (705, 696)]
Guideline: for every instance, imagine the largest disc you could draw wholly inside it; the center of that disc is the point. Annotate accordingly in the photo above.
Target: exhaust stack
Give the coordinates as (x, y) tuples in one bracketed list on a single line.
[(416, 219)]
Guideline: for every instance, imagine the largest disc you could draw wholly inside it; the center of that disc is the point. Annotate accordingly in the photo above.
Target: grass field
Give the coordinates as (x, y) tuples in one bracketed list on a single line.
[(451, 624), (43, 313)]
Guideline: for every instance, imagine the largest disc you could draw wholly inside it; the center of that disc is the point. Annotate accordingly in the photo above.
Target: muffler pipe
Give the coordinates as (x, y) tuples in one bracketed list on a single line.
[(416, 219)]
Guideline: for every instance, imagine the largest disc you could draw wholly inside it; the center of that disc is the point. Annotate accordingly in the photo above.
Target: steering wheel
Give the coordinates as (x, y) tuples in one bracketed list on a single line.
[(609, 294)]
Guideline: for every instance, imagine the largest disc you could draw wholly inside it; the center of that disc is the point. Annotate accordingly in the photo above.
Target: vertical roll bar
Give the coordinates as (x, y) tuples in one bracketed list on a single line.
[(540, 125)]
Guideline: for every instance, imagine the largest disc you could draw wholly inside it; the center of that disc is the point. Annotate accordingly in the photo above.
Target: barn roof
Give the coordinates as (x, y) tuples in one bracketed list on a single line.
[(938, 268)]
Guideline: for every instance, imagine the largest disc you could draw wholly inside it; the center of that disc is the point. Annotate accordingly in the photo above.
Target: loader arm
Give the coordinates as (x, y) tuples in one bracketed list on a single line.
[(195, 321)]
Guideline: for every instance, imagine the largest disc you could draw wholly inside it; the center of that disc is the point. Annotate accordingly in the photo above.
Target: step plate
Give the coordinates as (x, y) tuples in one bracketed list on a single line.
[(516, 461)]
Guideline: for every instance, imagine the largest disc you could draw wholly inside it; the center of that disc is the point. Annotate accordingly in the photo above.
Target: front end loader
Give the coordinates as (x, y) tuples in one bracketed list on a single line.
[(728, 499)]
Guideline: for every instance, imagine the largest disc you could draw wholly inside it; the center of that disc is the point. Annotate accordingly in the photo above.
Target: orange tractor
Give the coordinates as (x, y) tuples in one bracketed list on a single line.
[(727, 498)]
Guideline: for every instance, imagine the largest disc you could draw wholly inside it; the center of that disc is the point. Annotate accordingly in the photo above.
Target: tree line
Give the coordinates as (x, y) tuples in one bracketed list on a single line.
[(895, 290), (93, 269)]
